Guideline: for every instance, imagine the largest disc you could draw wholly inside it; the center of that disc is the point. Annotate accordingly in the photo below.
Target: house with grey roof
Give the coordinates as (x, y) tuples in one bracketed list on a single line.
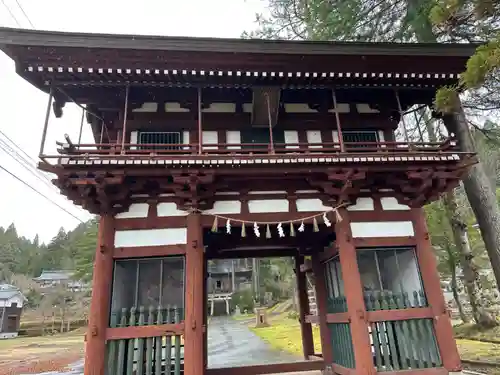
[(11, 307), (53, 278)]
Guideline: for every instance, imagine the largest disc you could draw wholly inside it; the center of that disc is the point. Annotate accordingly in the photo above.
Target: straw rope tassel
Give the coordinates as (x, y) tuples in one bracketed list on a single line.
[(268, 231), (215, 225), (315, 225), (243, 231), (338, 217), (292, 230)]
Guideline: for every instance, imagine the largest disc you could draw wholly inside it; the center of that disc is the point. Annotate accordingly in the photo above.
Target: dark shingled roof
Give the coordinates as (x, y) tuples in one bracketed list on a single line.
[(23, 37)]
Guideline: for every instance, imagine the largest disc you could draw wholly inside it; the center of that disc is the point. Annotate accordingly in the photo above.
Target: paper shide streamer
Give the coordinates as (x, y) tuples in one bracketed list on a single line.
[(315, 220)]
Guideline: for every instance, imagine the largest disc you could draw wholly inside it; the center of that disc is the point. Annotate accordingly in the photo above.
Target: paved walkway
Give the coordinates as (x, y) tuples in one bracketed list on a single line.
[(230, 344)]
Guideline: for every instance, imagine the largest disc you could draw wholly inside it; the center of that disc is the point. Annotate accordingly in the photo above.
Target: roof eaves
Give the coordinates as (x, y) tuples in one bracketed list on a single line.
[(20, 37)]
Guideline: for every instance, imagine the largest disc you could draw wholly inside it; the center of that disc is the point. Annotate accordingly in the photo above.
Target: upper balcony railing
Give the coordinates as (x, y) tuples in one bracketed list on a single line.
[(110, 153)]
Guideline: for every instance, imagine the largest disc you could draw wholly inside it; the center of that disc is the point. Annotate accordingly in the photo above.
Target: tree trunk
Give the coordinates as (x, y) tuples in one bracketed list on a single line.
[(471, 276), (454, 286), (479, 191)]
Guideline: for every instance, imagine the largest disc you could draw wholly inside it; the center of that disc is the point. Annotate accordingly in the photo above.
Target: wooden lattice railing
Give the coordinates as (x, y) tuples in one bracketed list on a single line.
[(403, 341), (113, 150), (402, 344), (156, 354)]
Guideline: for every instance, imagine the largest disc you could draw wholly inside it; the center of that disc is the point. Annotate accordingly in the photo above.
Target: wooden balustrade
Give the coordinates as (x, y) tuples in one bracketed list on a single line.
[(113, 150), (343, 351), (160, 353), (400, 328)]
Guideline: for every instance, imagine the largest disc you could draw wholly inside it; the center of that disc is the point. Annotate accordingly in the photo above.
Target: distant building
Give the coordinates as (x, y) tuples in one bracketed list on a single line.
[(53, 278), (11, 306), (226, 277)]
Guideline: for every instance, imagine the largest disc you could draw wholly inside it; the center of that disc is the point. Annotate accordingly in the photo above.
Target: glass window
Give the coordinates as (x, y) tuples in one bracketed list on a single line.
[(164, 140), (393, 270), (358, 139), (157, 282), (334, 280)]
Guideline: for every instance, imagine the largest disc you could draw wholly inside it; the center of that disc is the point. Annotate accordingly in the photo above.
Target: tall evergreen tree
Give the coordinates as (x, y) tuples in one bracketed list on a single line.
[(410, 21)]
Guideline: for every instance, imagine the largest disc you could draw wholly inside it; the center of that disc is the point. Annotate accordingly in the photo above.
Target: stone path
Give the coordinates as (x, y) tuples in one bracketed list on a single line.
[(230, 344)]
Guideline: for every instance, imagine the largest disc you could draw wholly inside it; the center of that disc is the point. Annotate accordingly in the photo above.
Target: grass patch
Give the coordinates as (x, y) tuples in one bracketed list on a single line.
[(284, 334), (61, 340), (274, 309), (474, 332), (244, 317), (479, 351)]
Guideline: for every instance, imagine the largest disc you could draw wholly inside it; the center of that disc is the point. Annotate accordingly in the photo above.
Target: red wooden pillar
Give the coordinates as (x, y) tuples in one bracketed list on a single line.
[(353, 291), (321, 305), (303, 299), (432, 286), (194, 362), (95, 350)]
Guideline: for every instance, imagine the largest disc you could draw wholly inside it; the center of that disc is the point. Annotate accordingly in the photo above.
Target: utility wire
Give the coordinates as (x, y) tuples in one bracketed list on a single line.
[(24, 163), (39, 193), (23, 160), (10, 12), (24, 13), (29, 163), (9, 151)]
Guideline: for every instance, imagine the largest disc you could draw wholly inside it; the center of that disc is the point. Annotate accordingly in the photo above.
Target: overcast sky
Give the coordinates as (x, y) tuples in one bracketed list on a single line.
[(22, 107)]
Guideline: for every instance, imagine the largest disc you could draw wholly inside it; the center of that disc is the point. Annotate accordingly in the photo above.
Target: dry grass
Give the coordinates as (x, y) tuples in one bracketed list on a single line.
[(27, 355)]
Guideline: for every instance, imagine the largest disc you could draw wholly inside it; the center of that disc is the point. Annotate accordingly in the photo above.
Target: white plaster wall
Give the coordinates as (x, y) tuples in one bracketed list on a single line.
[(381, 136), (299, 108), (174, 107), (310, 205), (335, 138), (147, 107), (267, 192), (136, 210), (382, 229), (150, 237), (133, 139), (391, 204), (365, 108), (341, 108), (209, 137), (185, 139), (314, 136), (221, 108), (169, 209), (291, 136), (225, 207), (8, 335), (362, 204), (8, 303), (268, 205), (233, 137)]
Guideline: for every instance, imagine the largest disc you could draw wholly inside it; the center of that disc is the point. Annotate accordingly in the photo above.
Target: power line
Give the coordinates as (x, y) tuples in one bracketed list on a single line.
[(39, 193), (10, 12), (20, 159), (25, 15), (25, 163), (24, 158), (11, 152)]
